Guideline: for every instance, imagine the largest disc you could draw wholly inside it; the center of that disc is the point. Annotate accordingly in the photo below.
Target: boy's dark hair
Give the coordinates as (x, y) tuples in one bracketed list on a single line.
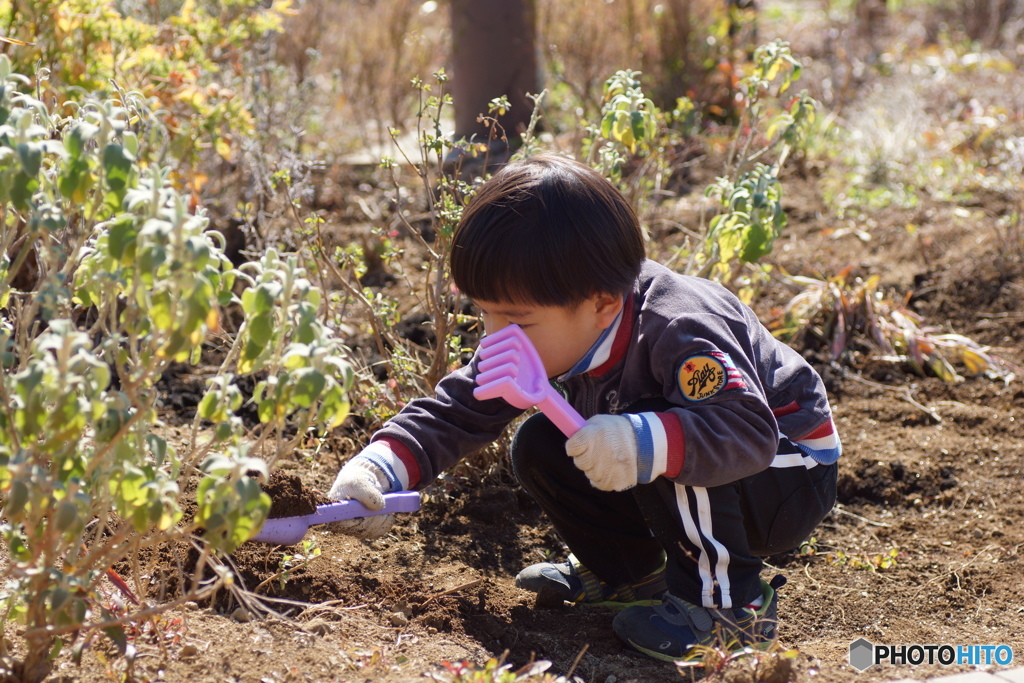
[(546, 231)]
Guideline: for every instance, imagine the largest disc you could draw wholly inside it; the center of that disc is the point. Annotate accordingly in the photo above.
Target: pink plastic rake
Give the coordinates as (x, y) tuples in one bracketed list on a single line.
[(511, 369)]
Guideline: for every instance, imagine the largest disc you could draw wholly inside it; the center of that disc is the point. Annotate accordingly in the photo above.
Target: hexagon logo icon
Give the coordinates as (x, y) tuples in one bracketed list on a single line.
[(862, 654)]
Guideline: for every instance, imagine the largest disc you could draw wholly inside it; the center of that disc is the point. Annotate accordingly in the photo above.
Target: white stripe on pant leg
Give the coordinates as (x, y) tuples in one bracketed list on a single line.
[(707, 580), (721, 572)]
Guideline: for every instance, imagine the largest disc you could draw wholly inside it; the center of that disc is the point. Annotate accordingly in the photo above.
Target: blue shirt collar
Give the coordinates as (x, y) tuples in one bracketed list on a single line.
[(598, 353)]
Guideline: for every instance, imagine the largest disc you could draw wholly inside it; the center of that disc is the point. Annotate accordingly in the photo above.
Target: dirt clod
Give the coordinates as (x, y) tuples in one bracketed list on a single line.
[(288, 496)]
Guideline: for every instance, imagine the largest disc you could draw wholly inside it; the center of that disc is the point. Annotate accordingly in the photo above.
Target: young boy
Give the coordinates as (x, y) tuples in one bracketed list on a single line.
[(708, 444)]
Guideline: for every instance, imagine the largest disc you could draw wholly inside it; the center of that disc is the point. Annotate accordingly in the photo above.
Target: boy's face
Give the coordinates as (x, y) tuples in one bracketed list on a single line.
[(561, 335)]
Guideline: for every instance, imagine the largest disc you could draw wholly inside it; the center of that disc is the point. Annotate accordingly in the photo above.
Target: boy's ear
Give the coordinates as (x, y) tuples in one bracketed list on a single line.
[(607, 308)]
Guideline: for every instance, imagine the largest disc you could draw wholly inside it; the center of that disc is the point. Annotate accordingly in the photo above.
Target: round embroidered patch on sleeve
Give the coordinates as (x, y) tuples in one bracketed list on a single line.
[(701, 377)]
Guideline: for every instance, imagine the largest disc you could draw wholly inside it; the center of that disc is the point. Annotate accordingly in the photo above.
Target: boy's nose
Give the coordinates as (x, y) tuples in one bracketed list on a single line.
[(493, 323)]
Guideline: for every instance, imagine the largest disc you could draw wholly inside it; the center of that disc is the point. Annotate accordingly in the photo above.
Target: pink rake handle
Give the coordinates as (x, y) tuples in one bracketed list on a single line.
[(510, 369)]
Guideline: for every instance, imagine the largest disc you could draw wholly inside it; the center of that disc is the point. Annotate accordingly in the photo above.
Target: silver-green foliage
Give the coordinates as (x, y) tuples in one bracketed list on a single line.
[(106, 278)]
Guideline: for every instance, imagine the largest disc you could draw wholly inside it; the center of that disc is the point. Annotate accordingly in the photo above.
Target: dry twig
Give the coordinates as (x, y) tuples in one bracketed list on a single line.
[(469, 584), (576, 661)]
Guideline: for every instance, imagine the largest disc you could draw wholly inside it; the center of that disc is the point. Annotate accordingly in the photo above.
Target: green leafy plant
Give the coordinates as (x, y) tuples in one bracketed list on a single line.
[(304, 374), (107, 280), (633, 141), (749, 192), (289, 563), (746, 231)]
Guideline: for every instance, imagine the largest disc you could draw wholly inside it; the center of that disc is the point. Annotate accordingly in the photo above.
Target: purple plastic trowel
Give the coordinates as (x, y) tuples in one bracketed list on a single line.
[(291, 530)]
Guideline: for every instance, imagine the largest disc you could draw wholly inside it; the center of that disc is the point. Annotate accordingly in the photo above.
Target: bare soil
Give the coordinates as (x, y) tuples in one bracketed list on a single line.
[(930, 478)]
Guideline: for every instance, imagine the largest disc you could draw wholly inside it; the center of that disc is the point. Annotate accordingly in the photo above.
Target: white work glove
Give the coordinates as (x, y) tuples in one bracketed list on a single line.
[(606, 451), (361, 480)]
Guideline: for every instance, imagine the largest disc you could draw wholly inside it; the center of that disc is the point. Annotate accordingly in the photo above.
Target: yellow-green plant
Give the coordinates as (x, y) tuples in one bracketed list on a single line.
[(188, 63), (628, 125), (628, 144), (634, 133), (865, 561)]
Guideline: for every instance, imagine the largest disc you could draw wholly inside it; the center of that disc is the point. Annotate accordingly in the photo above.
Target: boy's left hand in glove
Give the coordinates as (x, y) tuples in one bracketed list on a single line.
[(362, 480), (606, 450)]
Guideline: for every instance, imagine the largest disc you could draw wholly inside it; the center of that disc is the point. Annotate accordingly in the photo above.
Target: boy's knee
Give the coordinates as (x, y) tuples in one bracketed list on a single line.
[(535, 443), (800, 513), (534, 437)]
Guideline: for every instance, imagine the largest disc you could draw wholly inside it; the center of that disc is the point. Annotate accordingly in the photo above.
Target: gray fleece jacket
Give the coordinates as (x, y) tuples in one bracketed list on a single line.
[(733, 390)]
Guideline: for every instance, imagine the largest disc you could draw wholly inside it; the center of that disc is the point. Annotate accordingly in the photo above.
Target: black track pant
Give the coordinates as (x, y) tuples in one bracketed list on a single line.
[(713, 537)]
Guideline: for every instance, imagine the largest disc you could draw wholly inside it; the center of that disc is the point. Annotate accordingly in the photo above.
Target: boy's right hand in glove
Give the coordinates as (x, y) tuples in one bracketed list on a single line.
[(617, 452), (360, 479), (605, 449)]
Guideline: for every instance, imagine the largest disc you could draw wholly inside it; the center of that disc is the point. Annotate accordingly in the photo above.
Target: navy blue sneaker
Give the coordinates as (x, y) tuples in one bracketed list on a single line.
[(572, 582), (670, 631)]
